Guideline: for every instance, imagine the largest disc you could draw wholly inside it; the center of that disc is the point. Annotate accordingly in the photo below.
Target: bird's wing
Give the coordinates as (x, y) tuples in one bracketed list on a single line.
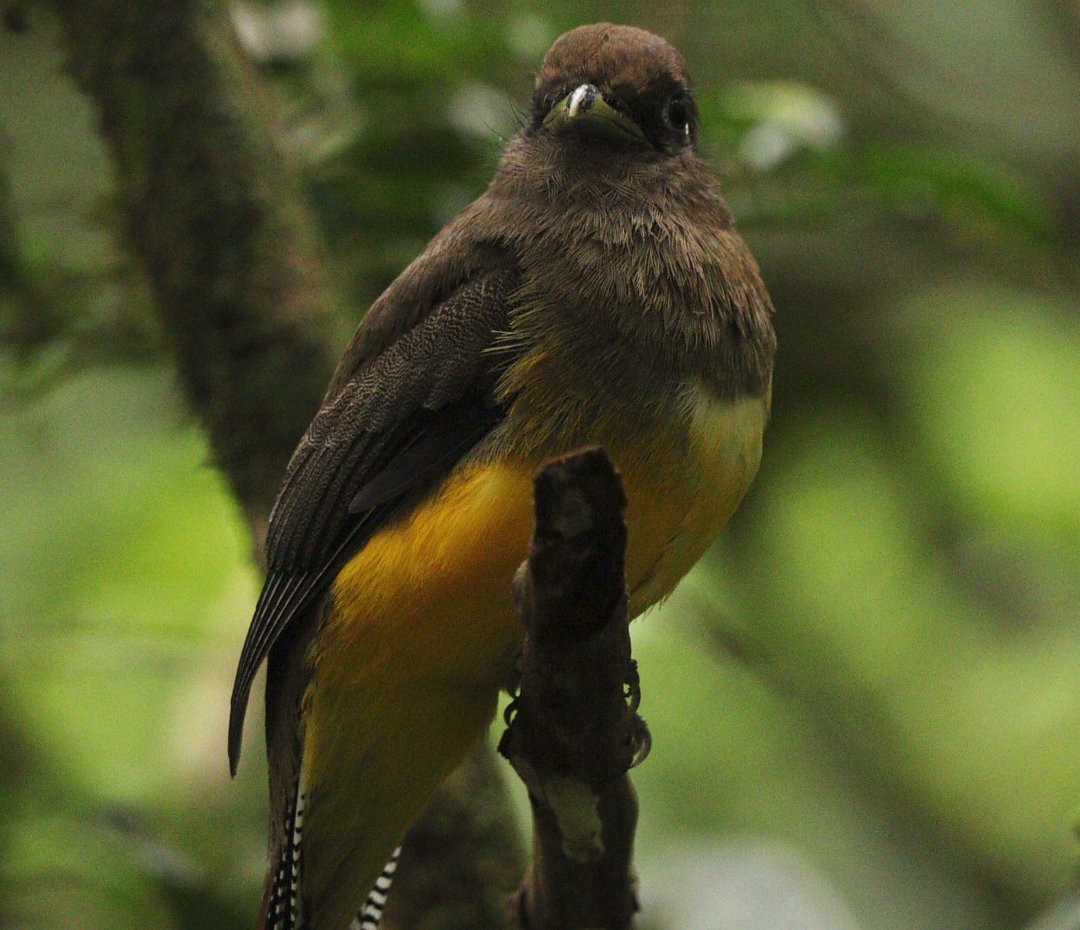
[(385, 437)]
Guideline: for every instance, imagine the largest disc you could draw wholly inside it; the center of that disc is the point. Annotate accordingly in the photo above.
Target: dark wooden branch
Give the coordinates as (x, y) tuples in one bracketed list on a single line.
[(574, 735), (213, 212)]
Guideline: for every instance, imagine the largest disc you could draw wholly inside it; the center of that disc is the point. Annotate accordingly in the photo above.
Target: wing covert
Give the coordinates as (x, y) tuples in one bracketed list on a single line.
[(385, 438)]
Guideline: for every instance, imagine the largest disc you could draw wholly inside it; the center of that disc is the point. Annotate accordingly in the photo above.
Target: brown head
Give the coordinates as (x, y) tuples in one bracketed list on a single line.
[(629, 258), (618, 83)]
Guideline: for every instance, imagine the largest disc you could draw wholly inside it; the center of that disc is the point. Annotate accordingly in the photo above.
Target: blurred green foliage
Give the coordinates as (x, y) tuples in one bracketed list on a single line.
[(865, 702)]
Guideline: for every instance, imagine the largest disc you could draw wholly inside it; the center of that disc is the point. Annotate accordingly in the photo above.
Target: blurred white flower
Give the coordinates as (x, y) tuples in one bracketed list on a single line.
[(787, 118), (285, 30)]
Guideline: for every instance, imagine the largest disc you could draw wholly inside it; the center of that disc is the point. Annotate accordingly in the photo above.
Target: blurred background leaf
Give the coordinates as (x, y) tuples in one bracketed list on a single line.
[(865, 701)]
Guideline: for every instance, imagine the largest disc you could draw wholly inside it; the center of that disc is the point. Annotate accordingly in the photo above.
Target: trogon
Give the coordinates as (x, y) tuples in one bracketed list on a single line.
[(596, 293)]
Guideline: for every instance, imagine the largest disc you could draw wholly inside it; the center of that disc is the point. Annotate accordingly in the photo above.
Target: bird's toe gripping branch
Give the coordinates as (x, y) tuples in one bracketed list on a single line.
[(640, 737)]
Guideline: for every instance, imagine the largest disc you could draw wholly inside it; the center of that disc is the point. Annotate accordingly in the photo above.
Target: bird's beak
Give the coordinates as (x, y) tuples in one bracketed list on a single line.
[(586, 110)]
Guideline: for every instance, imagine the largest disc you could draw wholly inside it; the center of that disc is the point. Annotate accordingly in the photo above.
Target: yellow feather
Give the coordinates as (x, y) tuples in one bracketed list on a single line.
[(422, 633)]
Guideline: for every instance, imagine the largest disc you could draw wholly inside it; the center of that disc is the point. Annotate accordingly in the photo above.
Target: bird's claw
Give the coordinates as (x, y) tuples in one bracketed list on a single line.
[(640, 741)]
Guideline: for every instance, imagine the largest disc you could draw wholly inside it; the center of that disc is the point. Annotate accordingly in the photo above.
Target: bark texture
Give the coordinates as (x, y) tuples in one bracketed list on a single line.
[(575, 732)]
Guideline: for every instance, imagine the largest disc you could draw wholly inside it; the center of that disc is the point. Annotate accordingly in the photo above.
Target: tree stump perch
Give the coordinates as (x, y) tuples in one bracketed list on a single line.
[(574, 732)]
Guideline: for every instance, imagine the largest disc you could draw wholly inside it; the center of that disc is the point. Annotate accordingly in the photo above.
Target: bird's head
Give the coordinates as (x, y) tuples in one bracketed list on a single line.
[(615, 86)]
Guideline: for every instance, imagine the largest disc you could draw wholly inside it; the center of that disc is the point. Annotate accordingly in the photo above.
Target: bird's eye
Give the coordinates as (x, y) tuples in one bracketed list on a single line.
[(677, 112)]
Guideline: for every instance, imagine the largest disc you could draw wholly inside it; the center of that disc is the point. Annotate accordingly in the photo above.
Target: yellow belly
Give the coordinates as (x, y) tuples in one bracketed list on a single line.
[(423, 634)]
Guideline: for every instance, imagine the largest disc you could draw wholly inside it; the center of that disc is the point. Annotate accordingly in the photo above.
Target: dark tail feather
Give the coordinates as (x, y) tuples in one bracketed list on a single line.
[(370, 915), (281, 900)]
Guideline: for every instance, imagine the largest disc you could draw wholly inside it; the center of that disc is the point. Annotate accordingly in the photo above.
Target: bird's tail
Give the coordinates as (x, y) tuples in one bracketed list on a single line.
[(282, 904), (370, 915), (281, 908)]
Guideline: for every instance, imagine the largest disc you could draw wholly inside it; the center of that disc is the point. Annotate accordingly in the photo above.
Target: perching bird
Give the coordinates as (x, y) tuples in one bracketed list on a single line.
[(596, 294)]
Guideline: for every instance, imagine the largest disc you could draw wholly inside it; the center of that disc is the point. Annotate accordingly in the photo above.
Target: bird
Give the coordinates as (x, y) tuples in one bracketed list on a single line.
[(596, 294)]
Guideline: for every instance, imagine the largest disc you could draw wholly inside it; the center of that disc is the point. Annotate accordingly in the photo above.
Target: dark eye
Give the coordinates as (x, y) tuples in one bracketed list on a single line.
[(677, 112)]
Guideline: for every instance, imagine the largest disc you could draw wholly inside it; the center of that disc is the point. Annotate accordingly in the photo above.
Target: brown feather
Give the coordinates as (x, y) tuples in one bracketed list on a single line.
[(593, 288)]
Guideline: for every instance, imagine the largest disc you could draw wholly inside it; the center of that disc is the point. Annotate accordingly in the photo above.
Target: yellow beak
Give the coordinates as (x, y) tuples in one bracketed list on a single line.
[(585, 109)]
